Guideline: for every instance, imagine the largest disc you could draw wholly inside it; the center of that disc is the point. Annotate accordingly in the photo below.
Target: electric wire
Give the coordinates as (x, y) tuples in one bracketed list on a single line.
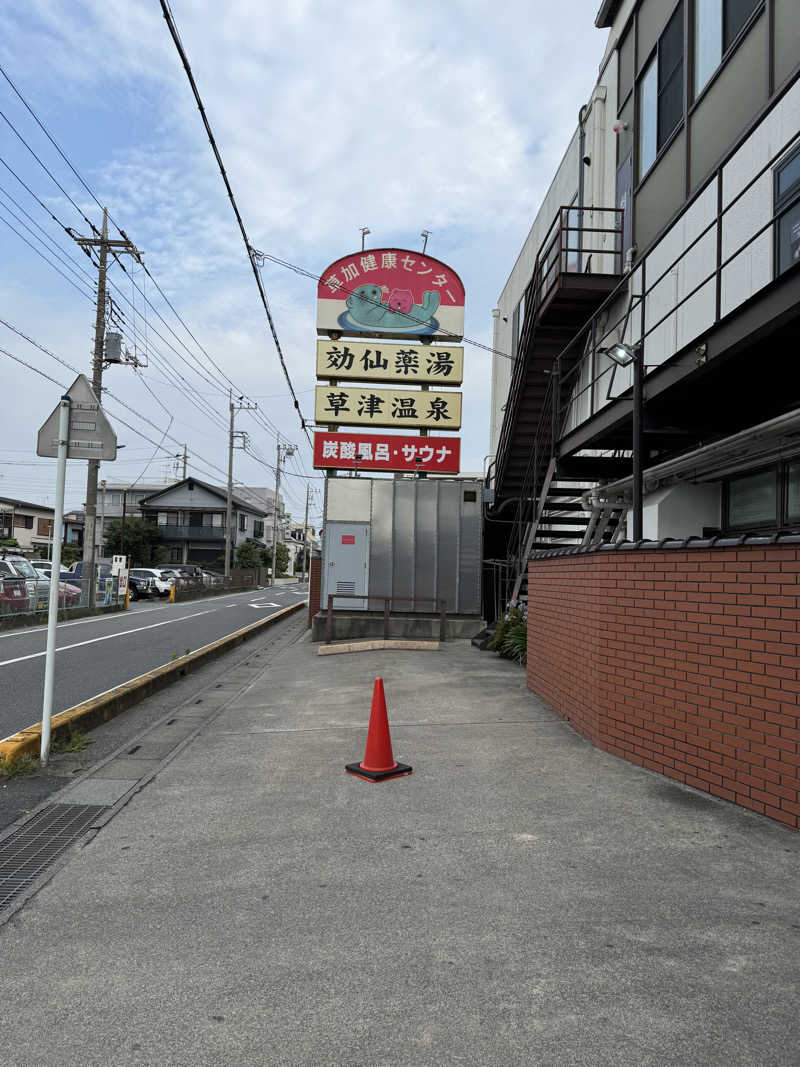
[(170, 20), (107, 392), (58, 270), (265, 422)]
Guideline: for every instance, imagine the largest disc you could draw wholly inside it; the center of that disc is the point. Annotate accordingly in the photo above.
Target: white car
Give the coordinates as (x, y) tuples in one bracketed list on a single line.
[(161, 583)]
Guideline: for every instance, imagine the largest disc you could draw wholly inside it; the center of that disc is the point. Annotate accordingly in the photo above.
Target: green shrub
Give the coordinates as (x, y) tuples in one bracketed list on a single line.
[(515, 642), (511, 618)]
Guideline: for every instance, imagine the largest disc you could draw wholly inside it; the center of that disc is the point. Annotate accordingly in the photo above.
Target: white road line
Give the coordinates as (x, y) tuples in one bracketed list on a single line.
[(113, 616), (109, 637)]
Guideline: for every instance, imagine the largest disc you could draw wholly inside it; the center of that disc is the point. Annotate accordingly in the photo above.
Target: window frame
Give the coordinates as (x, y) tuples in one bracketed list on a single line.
[(726, 54), (781, 204), (768, 524), (655, 57)]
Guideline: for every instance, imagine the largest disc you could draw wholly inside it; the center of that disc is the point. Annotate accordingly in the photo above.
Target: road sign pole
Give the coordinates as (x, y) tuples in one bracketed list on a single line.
[(52, 611)]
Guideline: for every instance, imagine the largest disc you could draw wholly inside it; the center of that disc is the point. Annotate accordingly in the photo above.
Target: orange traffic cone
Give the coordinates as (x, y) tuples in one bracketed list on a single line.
[(378, 762)]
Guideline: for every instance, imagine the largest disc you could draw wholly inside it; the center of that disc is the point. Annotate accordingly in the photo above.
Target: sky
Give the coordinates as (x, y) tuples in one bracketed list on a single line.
[(329, 117)]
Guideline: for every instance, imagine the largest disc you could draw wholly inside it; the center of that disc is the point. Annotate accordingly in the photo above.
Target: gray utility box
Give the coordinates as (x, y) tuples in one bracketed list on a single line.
[(413, 538)]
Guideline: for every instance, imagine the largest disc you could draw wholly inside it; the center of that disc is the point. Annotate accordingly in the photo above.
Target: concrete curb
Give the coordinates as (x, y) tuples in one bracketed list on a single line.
[(376, 646), (111, 703)]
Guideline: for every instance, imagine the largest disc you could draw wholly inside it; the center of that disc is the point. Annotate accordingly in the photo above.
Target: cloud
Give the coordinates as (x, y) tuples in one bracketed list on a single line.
[(329, 117)]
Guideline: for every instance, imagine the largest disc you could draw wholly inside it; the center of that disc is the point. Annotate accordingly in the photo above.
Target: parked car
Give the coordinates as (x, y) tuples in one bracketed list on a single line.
[(13, 595), (163, 581), (211, 578), (141, 588), (37, 588), (37, 584)]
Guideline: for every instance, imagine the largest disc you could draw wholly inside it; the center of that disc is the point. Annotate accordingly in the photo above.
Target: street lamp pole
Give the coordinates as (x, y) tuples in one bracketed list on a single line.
[(625, 355), (638, 446)]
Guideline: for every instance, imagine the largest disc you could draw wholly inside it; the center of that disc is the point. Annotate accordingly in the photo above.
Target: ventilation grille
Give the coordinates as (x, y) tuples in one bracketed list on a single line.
[(346, 587)]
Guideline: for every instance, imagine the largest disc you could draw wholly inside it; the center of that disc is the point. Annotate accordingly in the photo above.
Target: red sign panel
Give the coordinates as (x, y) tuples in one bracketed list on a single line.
[(348, 539), (387, 452)]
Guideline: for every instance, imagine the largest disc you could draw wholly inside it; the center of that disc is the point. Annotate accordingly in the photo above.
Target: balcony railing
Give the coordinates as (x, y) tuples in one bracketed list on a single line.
[(584, 240), (186, 532)]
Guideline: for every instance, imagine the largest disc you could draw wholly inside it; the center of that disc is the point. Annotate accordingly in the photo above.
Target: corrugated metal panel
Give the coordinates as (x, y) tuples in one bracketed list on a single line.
[(403, 546), (449, 531), (469, 556), (380, 556), (426, 544)]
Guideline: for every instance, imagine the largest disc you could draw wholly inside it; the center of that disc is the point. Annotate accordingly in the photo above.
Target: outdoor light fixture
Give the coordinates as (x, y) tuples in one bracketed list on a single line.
[(625, 355), (622, 354)]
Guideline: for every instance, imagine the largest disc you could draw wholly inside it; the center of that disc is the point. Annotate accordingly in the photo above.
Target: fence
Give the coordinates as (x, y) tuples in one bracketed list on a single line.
[(22, 599)]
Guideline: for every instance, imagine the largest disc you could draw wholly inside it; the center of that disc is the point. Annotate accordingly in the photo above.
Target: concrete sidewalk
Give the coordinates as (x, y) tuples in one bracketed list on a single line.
[(522, 898)]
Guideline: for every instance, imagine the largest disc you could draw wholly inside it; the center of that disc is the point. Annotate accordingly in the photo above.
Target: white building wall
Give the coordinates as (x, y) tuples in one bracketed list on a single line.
[(599, 190)]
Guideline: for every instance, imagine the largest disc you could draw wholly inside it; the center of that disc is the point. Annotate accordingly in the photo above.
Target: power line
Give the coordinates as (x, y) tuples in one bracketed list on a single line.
[(261, 418), (41, 254), (108, 392), (344, 289), (249, 248)]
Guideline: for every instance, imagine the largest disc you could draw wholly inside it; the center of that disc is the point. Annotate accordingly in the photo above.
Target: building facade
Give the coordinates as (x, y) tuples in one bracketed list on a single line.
[(645, 480), (672, 227), (31, 525), (191, 516)]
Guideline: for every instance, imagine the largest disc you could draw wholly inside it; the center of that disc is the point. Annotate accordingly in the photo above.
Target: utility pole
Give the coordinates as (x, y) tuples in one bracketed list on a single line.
[(185, 461), (232, 435), (283, 452), (305, 533), (105, 245)]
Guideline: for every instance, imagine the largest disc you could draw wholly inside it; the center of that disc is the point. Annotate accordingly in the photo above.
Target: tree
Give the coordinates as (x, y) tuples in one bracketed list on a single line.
[(142, 541), (70, 553), (249, 555), (282, 552), (283, 558), (299, 561)]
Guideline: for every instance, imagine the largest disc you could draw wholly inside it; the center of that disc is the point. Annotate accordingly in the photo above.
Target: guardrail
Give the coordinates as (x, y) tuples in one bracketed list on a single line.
[(387, 600)]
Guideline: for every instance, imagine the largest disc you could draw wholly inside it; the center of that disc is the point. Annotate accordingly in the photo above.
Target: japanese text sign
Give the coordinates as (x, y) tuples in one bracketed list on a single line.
[(390, 292), (387, 452), (409, 409), (384, 362)]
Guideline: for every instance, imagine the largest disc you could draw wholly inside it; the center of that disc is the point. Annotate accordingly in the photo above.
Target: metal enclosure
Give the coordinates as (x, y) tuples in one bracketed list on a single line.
[(425, 540), (347, 562)]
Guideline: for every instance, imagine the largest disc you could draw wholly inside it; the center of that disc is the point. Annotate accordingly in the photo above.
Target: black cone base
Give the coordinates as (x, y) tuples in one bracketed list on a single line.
[(377, 776)]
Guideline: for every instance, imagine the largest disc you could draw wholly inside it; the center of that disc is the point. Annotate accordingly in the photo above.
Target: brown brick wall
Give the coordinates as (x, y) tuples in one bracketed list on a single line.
[(686, 662), (314, 587)]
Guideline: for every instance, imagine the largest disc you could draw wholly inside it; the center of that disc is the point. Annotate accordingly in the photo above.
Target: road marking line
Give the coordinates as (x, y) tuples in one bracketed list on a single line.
[(108, 637)]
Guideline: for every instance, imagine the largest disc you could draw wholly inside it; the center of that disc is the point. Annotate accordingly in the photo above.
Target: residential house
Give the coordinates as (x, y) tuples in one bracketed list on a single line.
[(191, 516)]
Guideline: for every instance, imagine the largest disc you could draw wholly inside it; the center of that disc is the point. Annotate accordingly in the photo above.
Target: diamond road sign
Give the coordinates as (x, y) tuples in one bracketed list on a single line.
[(90, 433)]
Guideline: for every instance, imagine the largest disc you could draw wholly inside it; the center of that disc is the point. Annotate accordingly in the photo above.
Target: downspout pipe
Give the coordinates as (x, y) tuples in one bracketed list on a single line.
[(581, 179)]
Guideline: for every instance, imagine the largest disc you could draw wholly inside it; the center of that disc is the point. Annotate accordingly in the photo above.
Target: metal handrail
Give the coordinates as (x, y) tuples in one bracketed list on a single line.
[(639, 300), (535, 291), (440, 603)]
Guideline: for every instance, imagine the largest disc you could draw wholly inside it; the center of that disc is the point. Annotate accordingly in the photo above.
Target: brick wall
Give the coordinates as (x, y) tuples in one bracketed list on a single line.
[(314, 587), (686, 662)]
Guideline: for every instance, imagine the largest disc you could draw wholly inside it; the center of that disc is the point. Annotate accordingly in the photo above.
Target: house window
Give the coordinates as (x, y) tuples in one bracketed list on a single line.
[(23, 522), (753, 500), (258, 528), (787, 208), (242, 522), (661, 93), (44, 527), (717, 24), (793, 492)]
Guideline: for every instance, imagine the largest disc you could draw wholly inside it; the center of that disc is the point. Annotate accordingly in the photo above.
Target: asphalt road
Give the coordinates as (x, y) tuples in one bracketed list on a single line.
[(94, 655)]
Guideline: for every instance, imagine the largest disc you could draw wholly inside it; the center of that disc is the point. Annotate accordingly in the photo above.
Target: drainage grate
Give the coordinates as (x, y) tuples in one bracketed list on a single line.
[(29, 851)]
